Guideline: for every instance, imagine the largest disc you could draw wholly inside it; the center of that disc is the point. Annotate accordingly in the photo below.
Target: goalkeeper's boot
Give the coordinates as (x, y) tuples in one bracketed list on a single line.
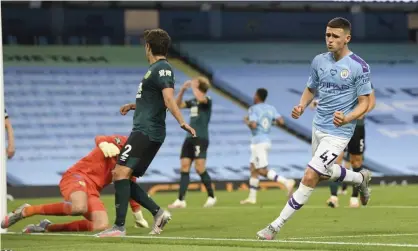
[(39, 228), (160, 220), (140, 222), (13, 217), (364, 187), (115, 231), (268, 233)]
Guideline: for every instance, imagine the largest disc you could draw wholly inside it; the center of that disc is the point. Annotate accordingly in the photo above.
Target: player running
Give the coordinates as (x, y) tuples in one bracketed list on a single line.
[(80, 187), (261, 117), (355, 150), (342, 80), (155, 94), (195, 149)]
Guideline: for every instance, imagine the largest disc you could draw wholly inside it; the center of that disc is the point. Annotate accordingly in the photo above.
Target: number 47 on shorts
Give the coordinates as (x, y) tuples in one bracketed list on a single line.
[(326, 155)]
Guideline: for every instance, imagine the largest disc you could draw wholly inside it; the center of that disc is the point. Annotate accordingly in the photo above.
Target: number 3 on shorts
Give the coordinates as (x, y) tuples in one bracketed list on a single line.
[(197, 151), (326, 155)]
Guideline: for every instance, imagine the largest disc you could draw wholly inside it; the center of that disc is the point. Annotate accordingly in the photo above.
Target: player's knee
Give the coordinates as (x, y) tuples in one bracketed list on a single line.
[(200, 167), (356, 161), (310, 178), (79, 209), (262, 171), (185, 168), (121, 172)]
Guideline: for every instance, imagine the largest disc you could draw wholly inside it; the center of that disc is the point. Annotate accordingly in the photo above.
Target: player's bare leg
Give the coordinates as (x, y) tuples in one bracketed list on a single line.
[(95, 221), (254, 181), (333, 186), (122, 183), (200, 165), (356, 161), (180, 202), (270, 174), (310, 180), (76, 206)]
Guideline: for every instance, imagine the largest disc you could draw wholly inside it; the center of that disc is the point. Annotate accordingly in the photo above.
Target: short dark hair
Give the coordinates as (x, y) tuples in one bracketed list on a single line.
[(262, 94), (340, 22), (159, 41), (204, 84)]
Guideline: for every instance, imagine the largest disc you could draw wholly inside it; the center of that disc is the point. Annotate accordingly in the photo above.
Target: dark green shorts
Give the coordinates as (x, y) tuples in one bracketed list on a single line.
[(194, 148), (138, 153)]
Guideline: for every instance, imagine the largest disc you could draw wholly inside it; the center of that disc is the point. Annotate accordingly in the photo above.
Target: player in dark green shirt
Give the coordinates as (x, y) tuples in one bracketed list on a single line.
[(195, 149), (154, 95)]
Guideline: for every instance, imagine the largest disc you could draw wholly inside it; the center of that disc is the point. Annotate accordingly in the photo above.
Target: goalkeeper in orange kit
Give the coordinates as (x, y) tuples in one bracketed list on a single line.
[(80, 187)]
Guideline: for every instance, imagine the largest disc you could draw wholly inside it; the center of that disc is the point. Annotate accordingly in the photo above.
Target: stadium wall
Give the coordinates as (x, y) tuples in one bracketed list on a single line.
[(98, 26)]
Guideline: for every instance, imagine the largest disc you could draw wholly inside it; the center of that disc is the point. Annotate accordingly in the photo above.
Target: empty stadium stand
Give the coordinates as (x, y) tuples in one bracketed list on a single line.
[(58, 107)]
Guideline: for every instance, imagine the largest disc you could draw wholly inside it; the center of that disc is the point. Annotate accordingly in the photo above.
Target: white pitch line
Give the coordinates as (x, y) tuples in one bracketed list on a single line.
[(351, 236), (280, 207), (240, 240)]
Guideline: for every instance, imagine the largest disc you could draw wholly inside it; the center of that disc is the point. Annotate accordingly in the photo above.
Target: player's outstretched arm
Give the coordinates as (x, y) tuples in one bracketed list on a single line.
[(170, 103)]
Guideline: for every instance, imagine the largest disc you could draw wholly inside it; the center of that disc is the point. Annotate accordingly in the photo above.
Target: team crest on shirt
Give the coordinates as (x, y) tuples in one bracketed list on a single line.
[(147, 74), (344, 74), (82, 183), (117, 140)]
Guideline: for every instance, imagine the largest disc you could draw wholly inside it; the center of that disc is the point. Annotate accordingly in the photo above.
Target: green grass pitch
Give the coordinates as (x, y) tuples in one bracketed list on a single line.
[(388, 223)]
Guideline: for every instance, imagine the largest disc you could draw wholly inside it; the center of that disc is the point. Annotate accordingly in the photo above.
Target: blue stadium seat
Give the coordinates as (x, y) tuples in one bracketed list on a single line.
[(57, 112)]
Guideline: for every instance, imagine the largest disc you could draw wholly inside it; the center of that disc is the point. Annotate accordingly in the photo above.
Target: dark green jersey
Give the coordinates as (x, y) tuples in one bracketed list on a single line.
[(200, 117), (150, 112)]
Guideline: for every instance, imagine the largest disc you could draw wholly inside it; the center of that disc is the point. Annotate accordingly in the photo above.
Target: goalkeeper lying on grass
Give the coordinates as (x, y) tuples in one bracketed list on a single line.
[(80, 187)]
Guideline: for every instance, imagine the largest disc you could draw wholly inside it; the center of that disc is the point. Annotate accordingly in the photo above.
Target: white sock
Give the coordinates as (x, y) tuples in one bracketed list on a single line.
[(298, 199), (341, 174), (253, 188), (272, 175)]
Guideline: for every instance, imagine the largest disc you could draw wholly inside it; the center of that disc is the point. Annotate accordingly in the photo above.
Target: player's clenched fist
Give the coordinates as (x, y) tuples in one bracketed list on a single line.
[(109, 150), (339, 119), (126, 108), (297, 111)]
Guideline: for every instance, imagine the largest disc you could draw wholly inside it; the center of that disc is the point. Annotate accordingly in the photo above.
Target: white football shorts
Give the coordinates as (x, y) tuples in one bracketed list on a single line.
[(259, 154), (325, 150)]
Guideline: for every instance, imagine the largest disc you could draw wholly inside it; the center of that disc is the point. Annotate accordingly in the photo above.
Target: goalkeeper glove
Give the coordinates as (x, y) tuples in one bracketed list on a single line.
[(109, 149)]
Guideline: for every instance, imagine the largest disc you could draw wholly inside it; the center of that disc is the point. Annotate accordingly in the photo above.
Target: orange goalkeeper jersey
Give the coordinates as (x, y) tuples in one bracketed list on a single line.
[(95, 166)]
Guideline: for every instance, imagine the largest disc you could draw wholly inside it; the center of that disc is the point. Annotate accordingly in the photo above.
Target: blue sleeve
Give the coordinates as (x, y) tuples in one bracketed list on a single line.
[(252, 114), (362, 82), (313, 80)]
